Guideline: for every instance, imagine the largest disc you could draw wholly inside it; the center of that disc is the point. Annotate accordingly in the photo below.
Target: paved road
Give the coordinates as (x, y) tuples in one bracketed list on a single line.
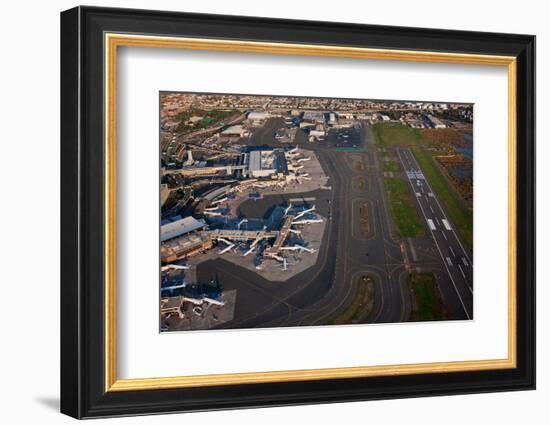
[(455, 257)]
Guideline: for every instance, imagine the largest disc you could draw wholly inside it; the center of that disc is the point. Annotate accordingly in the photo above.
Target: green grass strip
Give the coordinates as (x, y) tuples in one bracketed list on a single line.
[(404, 214)]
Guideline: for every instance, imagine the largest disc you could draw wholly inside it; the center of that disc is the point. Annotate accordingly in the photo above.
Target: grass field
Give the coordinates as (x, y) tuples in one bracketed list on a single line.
[(392, 166), (405, 215), (388, 135), (458, 212), (209, 118), (364, 211), (428, 301), (362, 303)]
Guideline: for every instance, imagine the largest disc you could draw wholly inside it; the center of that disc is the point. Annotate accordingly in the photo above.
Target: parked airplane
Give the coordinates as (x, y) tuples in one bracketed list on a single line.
[(287, 209), (219, 201), (301, 214), (293, 151), (227, 248), (298, 248), (307, 221), (295, 167), (250, 251), (171, 288), (174, 267), (212, 301), (277, 257)]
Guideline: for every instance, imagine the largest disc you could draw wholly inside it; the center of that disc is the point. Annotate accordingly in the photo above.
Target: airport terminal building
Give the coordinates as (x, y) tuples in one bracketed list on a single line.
[(266, 163)]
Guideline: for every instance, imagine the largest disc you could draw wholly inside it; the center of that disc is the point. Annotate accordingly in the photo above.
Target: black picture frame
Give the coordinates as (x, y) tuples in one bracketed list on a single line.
[(83, 392)]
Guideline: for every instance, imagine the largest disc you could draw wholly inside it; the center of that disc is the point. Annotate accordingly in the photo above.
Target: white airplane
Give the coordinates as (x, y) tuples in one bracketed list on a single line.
[(307, 158), (287, 209), (212, 301), (227, 248), (298, 248), (219, 201), (307, 221), (171, 288), (196, 301), (295, 167), (213, 214), (250, 251), (304, 212), (277, 257), (174, 267)]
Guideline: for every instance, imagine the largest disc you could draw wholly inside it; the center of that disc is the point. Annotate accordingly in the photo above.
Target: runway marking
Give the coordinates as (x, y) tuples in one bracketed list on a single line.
[(443, 213), (452, 251), (444, 235), (461, 271)]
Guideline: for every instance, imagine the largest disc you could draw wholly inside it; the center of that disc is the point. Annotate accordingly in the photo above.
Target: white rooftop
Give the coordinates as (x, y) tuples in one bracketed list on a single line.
[(179, 227), (234, 129)]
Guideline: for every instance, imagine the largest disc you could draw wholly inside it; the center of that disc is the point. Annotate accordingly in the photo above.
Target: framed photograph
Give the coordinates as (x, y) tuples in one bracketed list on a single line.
[(261, 212)]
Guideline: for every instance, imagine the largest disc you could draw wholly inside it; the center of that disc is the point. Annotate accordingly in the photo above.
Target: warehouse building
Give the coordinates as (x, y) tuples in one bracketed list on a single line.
[(180, 227), (257, 119), (184, 246)]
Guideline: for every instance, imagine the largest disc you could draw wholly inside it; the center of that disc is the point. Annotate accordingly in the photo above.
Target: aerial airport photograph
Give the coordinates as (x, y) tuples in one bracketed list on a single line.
[(281, 211)]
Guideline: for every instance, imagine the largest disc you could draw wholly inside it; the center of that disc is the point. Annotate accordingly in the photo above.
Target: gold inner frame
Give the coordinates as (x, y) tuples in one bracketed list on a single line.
[(113, 41)]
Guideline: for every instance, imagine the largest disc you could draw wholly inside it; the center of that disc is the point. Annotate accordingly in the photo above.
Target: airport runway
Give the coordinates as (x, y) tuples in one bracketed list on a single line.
[(456, 259)]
